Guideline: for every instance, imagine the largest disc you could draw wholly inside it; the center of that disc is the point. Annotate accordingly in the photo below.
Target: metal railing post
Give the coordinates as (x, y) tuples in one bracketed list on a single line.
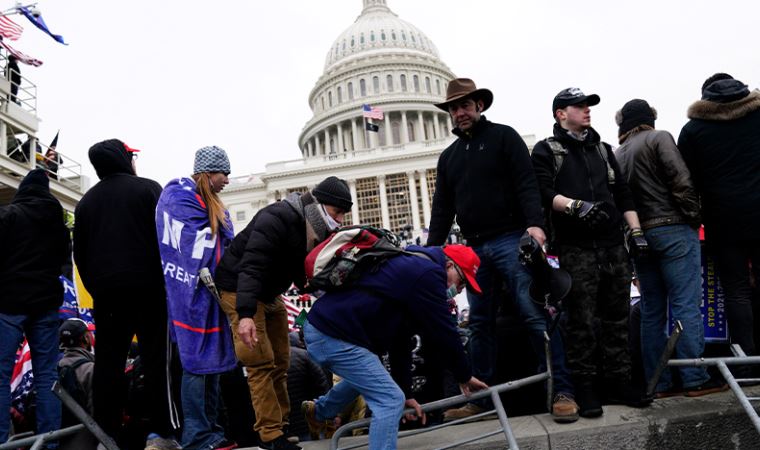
[(670, 347)]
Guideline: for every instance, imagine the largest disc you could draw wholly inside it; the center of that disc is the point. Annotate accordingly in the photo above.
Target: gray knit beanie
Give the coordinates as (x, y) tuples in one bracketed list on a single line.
[(211, 159)]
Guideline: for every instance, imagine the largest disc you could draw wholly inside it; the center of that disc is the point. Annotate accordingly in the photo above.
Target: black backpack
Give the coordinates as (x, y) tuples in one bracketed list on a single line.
[(67, 378)]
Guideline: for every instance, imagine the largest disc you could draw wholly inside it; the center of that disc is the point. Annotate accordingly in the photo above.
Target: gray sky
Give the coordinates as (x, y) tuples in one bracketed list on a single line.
[(170, 76)]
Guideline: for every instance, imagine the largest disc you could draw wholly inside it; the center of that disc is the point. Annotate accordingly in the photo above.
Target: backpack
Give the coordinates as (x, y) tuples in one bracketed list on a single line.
[(348, 253), (67, 378), (559, 151)]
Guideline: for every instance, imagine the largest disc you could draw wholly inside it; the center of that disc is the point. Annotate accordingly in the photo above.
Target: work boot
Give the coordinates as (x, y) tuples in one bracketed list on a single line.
[(709, 387), (469, 409), (564, 408), (589, 404)]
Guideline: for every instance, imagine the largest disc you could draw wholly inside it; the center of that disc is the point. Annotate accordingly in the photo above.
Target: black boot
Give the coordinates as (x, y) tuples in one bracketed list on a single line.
[(588, 402), (618, 392)]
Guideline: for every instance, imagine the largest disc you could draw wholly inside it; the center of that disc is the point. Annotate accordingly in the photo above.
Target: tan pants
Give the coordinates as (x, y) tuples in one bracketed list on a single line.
[(266, 364)]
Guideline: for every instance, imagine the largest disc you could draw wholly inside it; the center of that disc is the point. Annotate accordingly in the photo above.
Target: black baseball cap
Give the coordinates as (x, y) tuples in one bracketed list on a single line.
[(572, 96), (71, 332)]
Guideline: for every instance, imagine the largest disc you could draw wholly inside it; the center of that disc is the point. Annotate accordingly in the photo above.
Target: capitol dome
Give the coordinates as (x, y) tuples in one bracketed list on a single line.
[(378, 29)]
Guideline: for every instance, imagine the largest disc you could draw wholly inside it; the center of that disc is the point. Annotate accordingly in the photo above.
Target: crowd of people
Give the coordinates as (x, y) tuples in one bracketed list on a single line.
[(164, 265)]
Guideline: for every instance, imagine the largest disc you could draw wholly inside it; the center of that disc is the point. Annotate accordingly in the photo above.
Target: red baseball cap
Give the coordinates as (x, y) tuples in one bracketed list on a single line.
[(466, 259), (130, 149)]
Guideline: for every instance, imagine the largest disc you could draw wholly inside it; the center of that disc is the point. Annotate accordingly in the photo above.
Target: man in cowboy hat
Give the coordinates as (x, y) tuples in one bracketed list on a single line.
[(485, 180)]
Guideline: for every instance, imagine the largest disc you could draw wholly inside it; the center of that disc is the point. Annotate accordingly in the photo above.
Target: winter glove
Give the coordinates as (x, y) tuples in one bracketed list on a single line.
[(637, 243), (593, 214)]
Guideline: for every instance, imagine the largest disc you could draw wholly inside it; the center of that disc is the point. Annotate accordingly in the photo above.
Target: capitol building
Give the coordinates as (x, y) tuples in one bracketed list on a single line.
[(388, 63)]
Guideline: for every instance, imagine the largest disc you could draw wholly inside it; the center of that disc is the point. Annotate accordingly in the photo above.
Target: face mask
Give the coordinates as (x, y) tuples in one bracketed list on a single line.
[(451, 292), (331, 223)]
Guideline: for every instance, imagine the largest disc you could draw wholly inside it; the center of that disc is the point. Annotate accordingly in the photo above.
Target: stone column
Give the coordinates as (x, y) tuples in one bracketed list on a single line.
[(355, 205), (448, 122), (354, 136), (340, 139), (436, 127), (388, 133), (411, 175), (420, 126), (309, 149), (404, 128), (425, 197), (383, 202), (327, 141), (316, 145)]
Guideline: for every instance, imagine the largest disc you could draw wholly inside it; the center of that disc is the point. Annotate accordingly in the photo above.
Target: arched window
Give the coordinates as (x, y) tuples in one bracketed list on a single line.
[(389, 83), (322, 100), (329, 99), (403, 83), (363, 87), (352, 41), (396, 132), (410, 129), (393, 34), (344, 45), (427, 85), (438, 86), (350, 90), (376, 85), (403, 35), (416, 81), (361, 38), (372, 36), (340, 95), (382, 35)]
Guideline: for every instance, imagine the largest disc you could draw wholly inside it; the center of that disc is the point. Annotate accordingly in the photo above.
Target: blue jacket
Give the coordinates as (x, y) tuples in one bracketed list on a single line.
[(384, 308)]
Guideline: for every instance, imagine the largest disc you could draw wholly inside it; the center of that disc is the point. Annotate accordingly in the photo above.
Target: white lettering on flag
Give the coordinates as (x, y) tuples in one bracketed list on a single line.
[(172, 232), (202, 243)]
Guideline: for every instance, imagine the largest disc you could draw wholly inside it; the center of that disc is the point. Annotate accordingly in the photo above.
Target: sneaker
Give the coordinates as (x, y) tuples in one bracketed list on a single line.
[(281, 443), (470, 409), (589, 404), (709, 387), (290, 436), (160, 443), (224, 444), (564, 408), (668, 393)]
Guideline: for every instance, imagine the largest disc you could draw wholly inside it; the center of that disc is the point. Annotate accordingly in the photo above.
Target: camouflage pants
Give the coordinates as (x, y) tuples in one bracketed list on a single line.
[(601, 292)]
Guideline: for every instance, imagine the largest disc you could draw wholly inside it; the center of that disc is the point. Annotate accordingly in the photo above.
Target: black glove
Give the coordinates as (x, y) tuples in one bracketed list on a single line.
[(593, 214), (637, 243)]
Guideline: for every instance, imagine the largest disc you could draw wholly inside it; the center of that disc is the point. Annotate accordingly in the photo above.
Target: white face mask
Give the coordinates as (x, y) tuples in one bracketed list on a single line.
[(331, 223), (451, 292)]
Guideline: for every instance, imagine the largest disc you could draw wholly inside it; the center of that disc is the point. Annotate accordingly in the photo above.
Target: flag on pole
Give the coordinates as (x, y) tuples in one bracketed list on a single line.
[(20, 56), (372, 127), (370, 112), (54, 142), (39, 23), (9, 29)]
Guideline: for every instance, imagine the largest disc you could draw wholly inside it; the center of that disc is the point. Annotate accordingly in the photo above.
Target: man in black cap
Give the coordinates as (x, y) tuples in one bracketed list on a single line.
[(75, 370), (35, 245), (116, 252), (485, 180), (721, 147), (668, 208), (260, 264), (588, 201)]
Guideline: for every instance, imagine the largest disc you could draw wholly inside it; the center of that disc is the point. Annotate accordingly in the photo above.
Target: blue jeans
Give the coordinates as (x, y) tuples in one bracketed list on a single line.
[(499, 261), (671, 274), (41, 332), (200, 406), (363, 374)]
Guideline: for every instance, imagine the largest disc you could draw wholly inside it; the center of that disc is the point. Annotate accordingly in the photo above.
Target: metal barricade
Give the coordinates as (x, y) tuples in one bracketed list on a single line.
[(492, 392)]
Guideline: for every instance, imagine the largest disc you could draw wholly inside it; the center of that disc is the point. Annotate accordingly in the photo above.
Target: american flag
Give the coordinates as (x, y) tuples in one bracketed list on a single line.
[(293, 312), (9, 29), (20, 56), (370, 112), (21, 380)]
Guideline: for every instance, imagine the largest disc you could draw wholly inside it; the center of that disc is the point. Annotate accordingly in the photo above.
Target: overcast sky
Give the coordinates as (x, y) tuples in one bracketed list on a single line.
[(171, 76)]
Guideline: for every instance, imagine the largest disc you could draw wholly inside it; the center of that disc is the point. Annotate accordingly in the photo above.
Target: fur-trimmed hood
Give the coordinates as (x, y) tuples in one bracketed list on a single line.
[(708, 110)]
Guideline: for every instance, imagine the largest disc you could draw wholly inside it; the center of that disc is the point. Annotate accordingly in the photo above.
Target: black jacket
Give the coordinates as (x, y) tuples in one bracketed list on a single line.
[(583, 176), (484, 178), (265, 258), (659, 180), (306, 381), (115, 242), (35, 245), (721, 147)]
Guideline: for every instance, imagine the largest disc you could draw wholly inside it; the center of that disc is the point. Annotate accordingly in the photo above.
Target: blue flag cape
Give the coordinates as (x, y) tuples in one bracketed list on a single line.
[(196, 321)]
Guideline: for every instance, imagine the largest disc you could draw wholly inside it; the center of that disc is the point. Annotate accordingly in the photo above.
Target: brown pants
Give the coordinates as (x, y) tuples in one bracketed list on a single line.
[(266, 364)]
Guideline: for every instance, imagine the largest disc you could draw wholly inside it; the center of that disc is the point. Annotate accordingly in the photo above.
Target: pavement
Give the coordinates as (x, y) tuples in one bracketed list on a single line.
[(712, 422)]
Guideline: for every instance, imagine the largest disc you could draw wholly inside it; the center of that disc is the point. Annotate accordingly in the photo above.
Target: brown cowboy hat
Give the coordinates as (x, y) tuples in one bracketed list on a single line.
[(461, 88)]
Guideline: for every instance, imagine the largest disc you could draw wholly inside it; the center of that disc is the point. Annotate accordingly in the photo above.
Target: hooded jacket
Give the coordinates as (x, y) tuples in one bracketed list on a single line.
[(583, 176), (485, 179), (721, 147), (659, 180), (35, 244), (384, 308), (115, 240)]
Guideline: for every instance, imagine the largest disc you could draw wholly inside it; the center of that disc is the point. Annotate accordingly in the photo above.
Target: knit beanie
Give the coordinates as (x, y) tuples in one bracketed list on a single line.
[(635, 113), (211, 159), (335, 192), (725, 91), (36, 177)]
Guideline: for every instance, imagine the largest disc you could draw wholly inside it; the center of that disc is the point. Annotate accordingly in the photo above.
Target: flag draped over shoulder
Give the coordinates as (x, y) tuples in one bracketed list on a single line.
[(10, 29), (196, 321), (20, 56), (39, 23)]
